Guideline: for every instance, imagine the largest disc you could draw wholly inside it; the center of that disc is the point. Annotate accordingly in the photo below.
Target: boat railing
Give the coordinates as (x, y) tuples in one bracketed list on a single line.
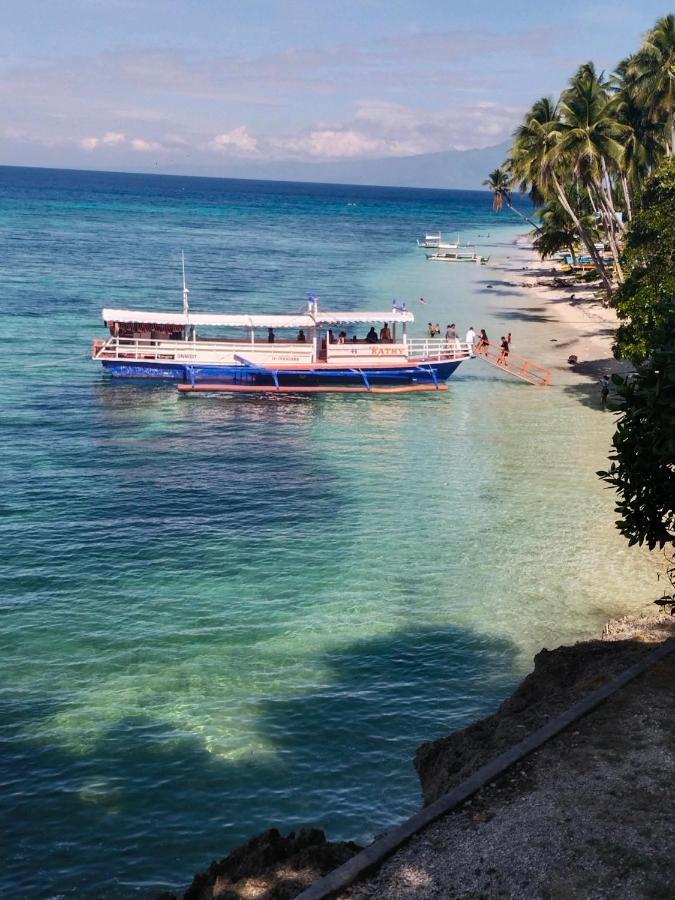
[(438, 348), (160, 348)]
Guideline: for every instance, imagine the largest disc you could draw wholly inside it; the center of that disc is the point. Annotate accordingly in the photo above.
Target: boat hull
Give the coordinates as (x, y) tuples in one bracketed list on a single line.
[(248, 376)]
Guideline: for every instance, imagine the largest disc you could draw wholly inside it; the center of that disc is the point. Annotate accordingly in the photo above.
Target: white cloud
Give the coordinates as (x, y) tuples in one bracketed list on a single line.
[(143, 146), (238, 140), (120, 140), (113, 137)]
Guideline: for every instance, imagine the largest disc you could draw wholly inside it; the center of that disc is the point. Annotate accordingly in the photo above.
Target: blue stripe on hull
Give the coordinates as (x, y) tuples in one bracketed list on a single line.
[(248, 376)]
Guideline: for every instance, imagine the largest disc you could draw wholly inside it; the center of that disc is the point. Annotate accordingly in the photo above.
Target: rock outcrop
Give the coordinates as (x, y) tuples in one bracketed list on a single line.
[(270, 867), (560, 677)]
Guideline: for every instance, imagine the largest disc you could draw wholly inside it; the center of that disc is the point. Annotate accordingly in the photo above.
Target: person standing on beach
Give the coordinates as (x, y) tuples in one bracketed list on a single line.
[(604, 391), (430, 329)]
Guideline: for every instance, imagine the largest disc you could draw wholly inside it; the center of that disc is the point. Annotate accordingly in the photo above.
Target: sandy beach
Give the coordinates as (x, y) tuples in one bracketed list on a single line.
[(572, 319)]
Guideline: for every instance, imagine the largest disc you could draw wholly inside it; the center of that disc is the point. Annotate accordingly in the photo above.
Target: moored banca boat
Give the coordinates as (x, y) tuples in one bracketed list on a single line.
[(292, 353)]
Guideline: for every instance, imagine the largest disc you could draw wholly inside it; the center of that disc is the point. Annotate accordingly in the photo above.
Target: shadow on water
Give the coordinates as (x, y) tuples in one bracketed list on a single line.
[(148, 805)]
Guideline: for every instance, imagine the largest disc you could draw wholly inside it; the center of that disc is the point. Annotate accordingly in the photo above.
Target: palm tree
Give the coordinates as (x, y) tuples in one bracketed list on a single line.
[(643, 146), (652, 73), (499, 182), (588, 135), (545, 173)]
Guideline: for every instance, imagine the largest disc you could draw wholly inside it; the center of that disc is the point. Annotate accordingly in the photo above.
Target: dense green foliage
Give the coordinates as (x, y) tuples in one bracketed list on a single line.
[(645, 303), (643, 460)]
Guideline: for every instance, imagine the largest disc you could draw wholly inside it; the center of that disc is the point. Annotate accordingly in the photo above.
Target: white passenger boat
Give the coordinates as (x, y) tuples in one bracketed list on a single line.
[(311, 351)]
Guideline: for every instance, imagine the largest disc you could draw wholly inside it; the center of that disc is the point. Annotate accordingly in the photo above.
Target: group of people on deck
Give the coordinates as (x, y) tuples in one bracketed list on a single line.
[(385, 336), (478, 341)]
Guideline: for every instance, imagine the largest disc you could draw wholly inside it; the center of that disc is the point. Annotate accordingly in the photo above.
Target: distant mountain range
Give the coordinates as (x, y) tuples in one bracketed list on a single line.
[(455, 169)]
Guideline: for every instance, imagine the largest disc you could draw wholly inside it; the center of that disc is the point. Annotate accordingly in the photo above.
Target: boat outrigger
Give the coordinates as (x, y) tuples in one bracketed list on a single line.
[(293, 353), (457, 256)]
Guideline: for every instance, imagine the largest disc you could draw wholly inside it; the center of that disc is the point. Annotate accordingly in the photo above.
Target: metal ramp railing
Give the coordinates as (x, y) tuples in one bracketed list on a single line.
[(514, 364)]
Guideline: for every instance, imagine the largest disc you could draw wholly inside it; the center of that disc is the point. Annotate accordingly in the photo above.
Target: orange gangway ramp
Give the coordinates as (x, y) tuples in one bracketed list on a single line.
[(514, 364)]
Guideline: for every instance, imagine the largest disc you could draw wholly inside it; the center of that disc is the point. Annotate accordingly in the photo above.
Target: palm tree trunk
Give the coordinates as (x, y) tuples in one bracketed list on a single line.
[(522, 215), (590, 197), (626, 196), (608, 218), (610, 222), (583, 234), (607, 187)]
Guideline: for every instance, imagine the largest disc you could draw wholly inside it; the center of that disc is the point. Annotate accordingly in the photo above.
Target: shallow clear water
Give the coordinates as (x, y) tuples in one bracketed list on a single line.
[(220, 614)]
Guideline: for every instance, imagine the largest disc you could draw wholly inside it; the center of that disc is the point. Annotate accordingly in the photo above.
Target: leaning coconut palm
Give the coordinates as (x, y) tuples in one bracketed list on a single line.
[(652, 75), (499, 182), (544, 174), (589, 135)]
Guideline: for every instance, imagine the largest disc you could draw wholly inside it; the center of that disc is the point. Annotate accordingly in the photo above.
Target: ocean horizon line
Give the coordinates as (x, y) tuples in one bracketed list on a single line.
[(228, 178)]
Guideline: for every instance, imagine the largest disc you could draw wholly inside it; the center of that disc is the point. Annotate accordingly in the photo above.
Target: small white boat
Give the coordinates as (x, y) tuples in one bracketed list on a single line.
[(458, 256), (430, 241), (435, 242)]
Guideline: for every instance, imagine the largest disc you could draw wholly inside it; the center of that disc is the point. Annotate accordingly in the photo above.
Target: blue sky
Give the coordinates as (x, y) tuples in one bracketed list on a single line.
[(197, 85)]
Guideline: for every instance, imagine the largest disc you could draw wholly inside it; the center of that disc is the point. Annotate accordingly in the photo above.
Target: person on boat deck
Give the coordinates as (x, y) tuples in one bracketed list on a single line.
[(471, 336), (354, 339), (301, 339), (385, 334), (451, 332), (270, 335), (331, 336), (371, 337), (342, 337)]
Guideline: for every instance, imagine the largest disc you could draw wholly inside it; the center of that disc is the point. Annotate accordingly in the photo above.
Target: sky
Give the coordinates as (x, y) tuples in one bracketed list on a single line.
[(199, 85)]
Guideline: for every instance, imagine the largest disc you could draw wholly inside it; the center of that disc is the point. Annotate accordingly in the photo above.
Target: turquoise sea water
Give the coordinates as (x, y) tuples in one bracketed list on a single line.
[(221, 614)]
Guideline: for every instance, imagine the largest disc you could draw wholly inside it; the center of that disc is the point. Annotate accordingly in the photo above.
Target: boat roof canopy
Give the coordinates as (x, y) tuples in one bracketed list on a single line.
[(302, 320)]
